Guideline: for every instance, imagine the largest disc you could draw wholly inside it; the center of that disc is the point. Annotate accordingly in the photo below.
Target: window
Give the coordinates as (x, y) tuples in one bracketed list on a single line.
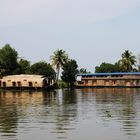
[(30, 84), (14, 84), (19, 84), (80, 82), (4, 84)]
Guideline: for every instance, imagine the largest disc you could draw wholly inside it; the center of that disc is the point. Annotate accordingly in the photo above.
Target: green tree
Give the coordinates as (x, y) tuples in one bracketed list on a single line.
[(69, 72), (59, 58), (43, 68), (138, 62), (24, 66), (8, 60), (127, 61), (83, 70), (107, 67)]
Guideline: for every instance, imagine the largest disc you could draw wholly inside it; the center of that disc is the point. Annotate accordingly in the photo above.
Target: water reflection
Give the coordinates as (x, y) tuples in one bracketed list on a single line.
[(70, 114), (119, 104)]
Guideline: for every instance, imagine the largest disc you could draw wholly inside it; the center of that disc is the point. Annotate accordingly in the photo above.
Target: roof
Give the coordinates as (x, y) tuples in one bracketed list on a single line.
[(20, 76), (108, 74)]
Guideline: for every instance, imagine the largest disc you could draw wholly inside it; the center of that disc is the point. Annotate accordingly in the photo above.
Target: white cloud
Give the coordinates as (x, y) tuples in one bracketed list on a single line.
[(62, 11)]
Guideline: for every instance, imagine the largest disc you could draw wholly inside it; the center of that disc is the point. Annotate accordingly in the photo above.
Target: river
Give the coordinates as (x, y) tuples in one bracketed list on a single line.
[(78, 114)]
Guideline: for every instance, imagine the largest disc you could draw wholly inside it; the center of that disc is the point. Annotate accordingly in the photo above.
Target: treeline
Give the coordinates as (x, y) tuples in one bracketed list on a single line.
[(127, 63), (11, 64)]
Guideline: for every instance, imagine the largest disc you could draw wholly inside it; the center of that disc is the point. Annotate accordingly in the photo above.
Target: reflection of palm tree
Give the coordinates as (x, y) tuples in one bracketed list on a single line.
[(66, 112), (128, 61), (59, 58)]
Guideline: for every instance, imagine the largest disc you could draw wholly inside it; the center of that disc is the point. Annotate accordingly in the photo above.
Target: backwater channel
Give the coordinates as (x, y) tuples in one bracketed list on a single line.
[(71, 114)]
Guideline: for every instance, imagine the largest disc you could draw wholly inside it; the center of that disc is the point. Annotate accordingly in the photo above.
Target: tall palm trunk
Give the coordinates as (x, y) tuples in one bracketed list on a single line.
[(57, 71), (57, 76)]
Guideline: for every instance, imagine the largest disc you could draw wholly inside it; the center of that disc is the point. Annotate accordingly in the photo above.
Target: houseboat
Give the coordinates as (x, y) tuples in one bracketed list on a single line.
[(119, 79), (23, 81)]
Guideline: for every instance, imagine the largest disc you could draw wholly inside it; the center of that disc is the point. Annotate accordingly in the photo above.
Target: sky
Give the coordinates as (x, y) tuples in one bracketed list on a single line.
[(90, 31)]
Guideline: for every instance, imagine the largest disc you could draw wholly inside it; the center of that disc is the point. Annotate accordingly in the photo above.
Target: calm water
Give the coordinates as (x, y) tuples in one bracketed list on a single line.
[(81, 114)]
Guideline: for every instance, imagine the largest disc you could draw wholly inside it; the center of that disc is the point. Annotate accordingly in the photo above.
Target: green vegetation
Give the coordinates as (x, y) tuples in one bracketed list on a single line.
[(69, 72), (59, 58), (11, 64), (127, 63), (107, 67), (83, 71), (8, 60), (24, 66), (43, 68)]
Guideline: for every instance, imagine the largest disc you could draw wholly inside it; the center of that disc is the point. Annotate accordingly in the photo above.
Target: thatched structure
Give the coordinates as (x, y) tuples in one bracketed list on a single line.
[(24, 80)]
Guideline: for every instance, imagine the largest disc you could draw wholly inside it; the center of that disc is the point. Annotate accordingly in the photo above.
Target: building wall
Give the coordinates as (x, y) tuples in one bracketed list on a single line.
[(25, 81)]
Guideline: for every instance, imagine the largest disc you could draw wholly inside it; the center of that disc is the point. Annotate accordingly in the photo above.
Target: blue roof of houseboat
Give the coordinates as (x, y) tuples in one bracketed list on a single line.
[(107, 74)]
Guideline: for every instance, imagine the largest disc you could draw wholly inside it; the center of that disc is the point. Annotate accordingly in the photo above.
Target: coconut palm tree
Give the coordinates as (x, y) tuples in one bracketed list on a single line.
[(59, 58), (138, 62), (128, 61)]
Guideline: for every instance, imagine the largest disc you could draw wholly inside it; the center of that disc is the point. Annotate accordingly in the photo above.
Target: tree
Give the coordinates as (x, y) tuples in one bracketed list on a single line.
[(8, 60), (24, 66), (43, 68), (83, 71), (69, 72), (127, 61), (138, 62), (107, 67), (59, 58)]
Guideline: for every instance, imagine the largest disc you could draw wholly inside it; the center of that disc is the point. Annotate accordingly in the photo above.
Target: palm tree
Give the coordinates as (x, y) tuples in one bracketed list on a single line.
[(128, 61), (59, 58), (138, 62)]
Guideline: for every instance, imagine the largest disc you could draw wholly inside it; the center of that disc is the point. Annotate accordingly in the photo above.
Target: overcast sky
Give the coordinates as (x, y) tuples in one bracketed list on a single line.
[(90, 31)]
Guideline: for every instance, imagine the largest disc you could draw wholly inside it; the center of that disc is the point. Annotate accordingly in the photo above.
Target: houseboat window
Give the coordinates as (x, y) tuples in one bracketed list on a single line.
[(80, 82), (137, 81), (19, 84), (4, 84), (30, 84), (86, 82), (14, 84)]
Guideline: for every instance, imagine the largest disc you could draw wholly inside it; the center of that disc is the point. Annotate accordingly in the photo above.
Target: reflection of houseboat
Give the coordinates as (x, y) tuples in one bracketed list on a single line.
[(25, 81), (120, 79)]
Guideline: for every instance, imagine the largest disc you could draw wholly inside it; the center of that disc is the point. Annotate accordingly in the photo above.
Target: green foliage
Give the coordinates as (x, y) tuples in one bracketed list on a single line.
[(107, 67), (83, 71), (69, 72), (127, 61), (43, 68), (125, 64), (59, 58), (8, 60), (24, 66)]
